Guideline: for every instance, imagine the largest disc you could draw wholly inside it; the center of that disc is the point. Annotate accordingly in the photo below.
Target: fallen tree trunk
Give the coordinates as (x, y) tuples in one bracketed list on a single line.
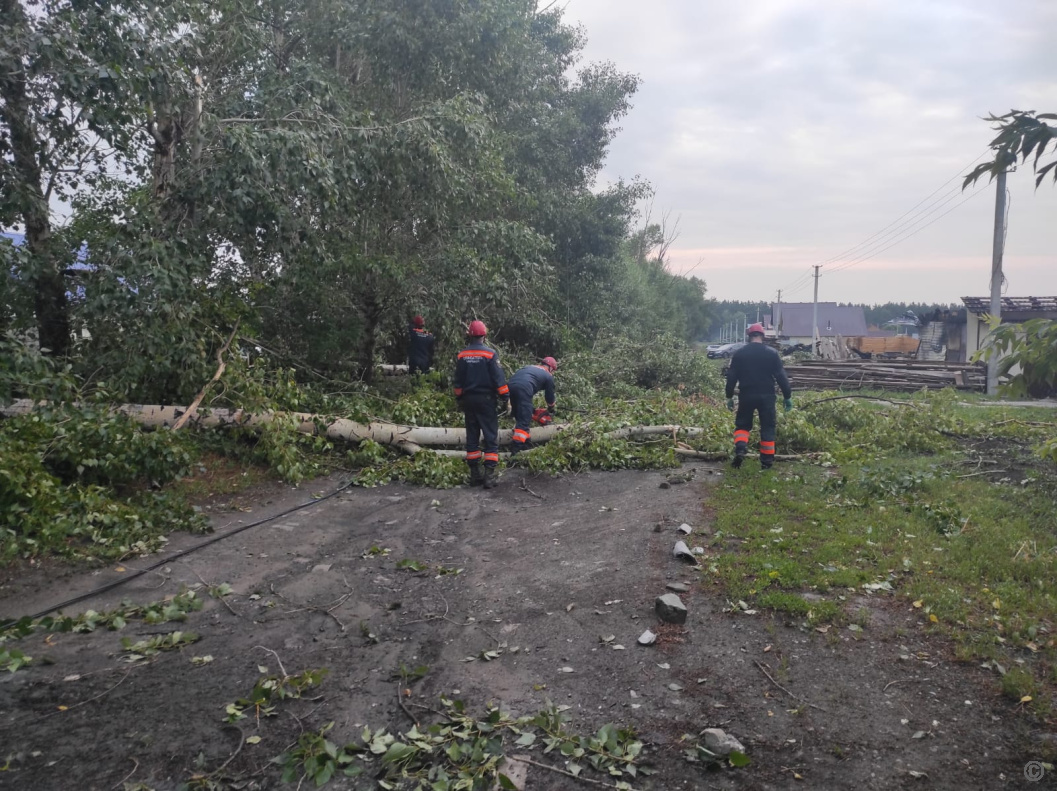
[(409, 439)]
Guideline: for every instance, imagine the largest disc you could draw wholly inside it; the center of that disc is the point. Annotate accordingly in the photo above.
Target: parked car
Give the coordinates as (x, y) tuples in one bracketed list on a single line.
[(726, 350), (712, 347)]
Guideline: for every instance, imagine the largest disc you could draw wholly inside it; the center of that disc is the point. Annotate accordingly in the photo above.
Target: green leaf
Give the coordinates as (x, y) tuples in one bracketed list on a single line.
[(398, 752), (738, 759)]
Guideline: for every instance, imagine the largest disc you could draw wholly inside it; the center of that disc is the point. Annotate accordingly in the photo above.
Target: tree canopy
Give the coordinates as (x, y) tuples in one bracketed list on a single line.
[(318, 172)]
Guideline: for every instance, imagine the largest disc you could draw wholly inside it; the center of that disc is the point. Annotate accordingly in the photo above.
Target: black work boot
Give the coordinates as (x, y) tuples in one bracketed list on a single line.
[(740, 452), (476, 479), (489, 477)]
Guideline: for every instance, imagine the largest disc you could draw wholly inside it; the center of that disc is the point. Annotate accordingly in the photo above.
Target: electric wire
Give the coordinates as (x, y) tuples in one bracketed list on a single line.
[(873, 254), (170, 558), (898, 221)]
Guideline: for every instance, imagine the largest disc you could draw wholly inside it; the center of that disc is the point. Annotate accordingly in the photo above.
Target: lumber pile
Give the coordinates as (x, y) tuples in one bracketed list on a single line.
[(891, 375), (895, 344)]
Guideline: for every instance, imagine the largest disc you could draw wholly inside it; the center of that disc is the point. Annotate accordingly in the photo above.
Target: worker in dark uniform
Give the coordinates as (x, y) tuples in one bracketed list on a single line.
[(419, 347), (479, 386), (754, 370), (523, 386)]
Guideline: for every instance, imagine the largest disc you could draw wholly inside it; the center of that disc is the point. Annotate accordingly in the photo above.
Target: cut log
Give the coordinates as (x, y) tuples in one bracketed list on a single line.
[(409, 439)]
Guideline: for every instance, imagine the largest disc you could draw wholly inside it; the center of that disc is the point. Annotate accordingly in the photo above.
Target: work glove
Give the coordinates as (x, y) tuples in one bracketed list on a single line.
[(552, 409), (788, 404), (504, 408), (458, 404), (730, 404)]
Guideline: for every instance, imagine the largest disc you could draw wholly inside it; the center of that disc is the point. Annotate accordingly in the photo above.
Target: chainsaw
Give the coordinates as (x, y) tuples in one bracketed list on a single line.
[(542, 416)]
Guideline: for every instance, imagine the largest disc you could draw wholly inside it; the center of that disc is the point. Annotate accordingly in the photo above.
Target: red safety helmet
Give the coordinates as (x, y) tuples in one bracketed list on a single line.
[(477, 329), (418, 321), (551, 363), (754, 329)]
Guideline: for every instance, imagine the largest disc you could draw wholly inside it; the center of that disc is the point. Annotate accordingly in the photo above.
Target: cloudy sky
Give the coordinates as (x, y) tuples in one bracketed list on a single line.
[(785, 133)]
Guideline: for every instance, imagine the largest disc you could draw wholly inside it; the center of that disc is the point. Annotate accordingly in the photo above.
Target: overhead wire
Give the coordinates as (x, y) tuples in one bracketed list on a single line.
[(899, 240), (897, 225)]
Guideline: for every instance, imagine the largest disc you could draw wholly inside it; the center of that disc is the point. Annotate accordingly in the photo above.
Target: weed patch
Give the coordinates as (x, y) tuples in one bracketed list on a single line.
[(972, 559)]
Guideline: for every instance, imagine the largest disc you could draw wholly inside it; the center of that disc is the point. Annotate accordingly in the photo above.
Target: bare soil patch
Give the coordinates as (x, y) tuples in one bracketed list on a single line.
[(548, 569)]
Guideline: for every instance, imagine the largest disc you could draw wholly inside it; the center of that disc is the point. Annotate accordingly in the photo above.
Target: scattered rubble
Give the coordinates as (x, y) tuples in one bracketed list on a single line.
[(670, 608), (720, 742)]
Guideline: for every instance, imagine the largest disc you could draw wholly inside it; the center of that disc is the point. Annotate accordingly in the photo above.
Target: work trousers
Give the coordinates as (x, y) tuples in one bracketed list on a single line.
[(481, 419), (521, 404), (748, 405)]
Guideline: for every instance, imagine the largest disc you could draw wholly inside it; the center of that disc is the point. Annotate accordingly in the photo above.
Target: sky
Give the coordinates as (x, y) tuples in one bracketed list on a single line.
[(785, 133)]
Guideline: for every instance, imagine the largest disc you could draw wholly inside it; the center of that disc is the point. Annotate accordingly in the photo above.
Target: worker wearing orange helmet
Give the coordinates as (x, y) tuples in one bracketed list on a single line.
[(524, 385), (479, 386), (754, 370)]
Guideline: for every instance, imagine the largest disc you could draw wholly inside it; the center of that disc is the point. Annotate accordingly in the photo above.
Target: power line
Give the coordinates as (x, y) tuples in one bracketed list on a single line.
[(902, 239), (904, 231), (885, 231)]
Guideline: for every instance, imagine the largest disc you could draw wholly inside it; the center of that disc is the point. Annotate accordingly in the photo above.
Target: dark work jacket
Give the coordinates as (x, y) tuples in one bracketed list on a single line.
[(756, 368), (419, 348), (534, 378), (477, 373)]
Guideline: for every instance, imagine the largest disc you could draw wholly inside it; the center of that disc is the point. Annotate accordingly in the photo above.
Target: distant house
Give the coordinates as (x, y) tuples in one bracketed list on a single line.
[(1015, 310), (792, 321)]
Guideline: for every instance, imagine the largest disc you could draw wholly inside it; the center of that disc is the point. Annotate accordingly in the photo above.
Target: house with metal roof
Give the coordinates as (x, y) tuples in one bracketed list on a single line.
[(1015, 310)]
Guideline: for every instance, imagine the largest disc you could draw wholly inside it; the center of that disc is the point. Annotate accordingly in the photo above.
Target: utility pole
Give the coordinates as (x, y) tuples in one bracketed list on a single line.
[(814, 313), (996, 271), (776, 317)]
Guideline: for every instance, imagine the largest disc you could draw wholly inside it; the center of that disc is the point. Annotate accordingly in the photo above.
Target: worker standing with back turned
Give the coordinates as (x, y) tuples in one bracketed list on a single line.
[(524, 384), (754, 370), (479, 386), (419, 347)]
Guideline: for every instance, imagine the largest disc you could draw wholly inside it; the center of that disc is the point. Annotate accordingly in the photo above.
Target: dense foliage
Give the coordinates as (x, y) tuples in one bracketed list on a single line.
[(318, 172)]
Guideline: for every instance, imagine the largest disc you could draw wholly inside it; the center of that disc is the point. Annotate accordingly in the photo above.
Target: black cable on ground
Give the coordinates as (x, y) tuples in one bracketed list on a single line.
[(140, 572)]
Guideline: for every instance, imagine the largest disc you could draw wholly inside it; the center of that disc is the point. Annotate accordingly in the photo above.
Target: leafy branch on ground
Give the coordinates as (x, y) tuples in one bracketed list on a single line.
[(171, 608), (145, 649), (464, 752), (269, 690)]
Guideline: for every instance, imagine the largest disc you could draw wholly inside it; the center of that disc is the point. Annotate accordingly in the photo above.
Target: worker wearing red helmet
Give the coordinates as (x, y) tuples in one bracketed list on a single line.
[(524, 385), (419, 347), (479, 386), (754, 370)]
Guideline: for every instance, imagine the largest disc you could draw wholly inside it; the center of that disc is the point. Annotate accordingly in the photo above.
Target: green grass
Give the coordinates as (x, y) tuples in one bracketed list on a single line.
[(975, 560)]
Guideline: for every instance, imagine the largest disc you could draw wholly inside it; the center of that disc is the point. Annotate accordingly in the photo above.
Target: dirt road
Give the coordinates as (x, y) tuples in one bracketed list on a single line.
[(549, 570)]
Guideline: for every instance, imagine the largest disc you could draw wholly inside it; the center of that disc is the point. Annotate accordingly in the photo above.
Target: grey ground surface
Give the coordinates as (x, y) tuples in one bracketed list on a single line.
[(548, 569)]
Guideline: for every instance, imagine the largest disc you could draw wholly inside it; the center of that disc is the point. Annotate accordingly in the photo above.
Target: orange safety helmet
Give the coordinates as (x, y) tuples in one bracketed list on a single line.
[(551, 363), (418, 321), (477, 329), (754, 329)]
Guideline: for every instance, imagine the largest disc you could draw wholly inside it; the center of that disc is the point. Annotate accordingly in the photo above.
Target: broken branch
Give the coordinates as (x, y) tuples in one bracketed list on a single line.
[(221, 365)]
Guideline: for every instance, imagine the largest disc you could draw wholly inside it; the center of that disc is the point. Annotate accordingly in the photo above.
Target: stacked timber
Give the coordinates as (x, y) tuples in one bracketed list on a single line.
[(891, 375)]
